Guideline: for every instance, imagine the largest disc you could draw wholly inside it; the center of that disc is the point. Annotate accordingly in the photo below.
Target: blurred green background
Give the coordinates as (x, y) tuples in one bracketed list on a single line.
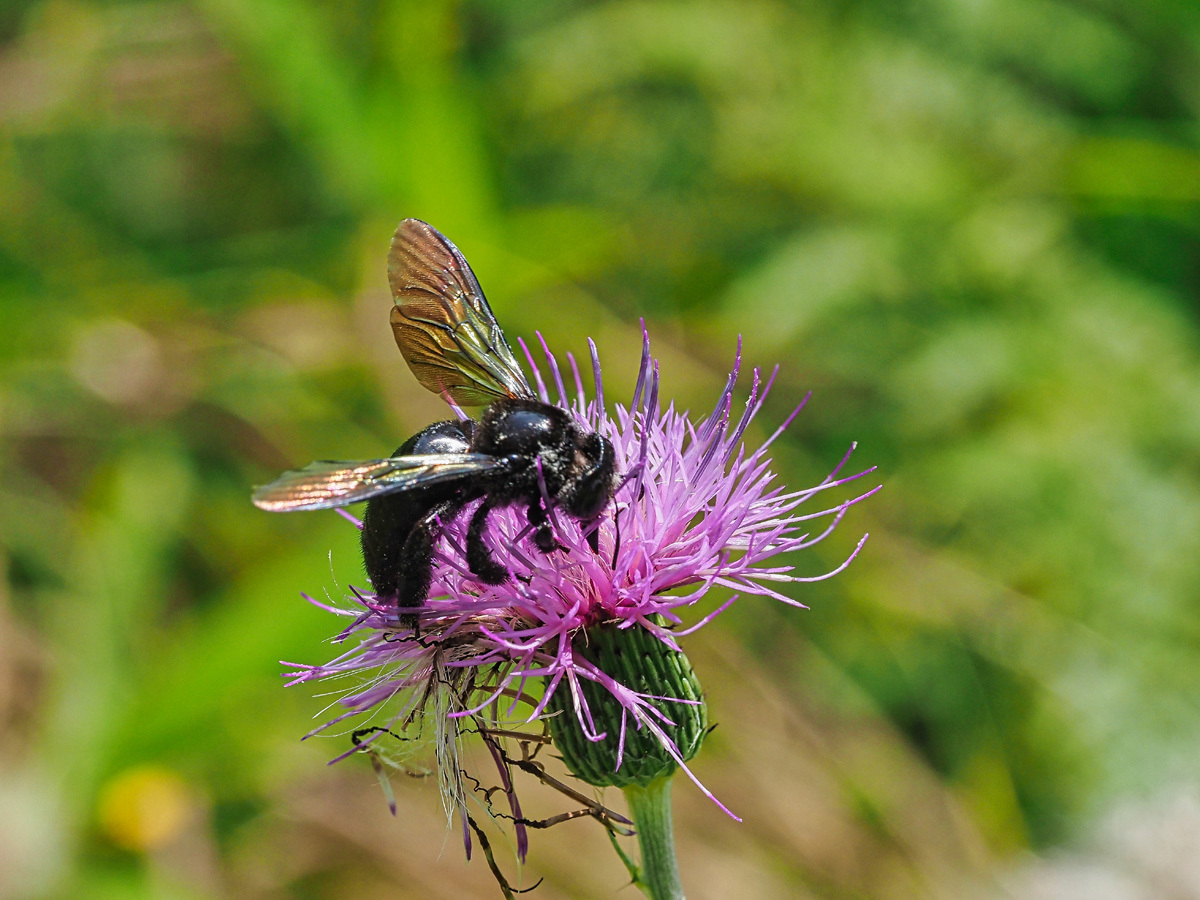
[(971, 228)]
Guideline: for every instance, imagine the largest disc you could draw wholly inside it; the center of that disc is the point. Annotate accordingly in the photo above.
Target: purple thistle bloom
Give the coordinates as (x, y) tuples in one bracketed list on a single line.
[(695, 510)]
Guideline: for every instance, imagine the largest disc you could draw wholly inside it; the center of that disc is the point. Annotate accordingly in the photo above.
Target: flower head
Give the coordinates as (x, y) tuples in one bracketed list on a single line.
[(696, 511)]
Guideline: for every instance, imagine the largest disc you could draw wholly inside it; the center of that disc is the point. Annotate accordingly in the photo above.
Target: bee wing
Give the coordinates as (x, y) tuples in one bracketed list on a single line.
[(442, 323), (327, 484)]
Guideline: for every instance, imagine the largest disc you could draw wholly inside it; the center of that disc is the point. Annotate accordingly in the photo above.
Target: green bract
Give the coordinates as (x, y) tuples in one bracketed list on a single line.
[(636, 659)]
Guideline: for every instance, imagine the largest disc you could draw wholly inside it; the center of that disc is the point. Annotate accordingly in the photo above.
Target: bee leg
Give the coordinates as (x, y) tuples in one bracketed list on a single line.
[(592, 530), (416, 559), (479, 557), (543, 536)]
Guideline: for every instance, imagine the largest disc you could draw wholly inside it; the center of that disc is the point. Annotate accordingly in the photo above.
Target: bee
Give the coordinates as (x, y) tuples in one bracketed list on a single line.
[(518, 451)]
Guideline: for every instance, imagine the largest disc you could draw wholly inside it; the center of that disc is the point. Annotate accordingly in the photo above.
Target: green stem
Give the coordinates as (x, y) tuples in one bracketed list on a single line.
[(651, 810)]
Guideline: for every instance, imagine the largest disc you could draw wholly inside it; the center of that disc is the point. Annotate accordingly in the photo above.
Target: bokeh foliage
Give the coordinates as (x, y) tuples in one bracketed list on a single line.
[(970, 228)]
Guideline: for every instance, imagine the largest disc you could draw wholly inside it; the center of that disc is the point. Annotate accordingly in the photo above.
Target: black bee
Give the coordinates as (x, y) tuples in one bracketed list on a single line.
[(453, 344)]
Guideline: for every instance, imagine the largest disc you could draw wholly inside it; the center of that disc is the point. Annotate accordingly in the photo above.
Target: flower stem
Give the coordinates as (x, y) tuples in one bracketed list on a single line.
[(651, 810)]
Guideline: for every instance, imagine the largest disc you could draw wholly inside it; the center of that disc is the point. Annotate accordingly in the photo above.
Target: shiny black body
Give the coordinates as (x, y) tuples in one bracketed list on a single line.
[(389, 519), (521, 451), (400, 528)]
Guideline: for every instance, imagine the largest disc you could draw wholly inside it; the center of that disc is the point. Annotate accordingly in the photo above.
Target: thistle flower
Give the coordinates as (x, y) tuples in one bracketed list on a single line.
[(697, 512)]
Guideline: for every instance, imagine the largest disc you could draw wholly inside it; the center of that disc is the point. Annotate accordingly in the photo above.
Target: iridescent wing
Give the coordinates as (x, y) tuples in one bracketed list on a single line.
[(327, 484), (442, 323)]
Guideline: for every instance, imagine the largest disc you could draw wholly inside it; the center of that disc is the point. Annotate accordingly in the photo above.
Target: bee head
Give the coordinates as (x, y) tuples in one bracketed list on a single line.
[(591, 485)]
